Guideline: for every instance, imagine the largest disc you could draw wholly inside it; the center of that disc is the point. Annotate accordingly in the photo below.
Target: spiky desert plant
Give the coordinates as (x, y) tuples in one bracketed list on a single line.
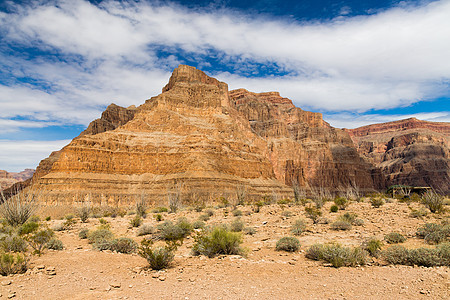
[(19, 208)]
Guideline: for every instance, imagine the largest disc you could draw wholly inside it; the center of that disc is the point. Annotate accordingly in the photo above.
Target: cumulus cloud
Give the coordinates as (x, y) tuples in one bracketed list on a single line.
[(78, 57), (19, 155)]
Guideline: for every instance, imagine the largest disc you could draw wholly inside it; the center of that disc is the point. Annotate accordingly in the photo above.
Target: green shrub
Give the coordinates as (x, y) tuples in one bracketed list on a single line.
[(184, 225), (55, 244), (257, 206), (376, 202), (298, 227), (373, 247), (13, 243), (141, 207), (341, 225), (99, 236), (288, 244), (218, 240), (39, 239), (84, 213), (13, 263), (237, 213), (123, 245), (209, 212), (428, 228), (160, 210), (334, 208), (418, 213), (434, 233), (436, 237), (433, 201), (337, 255), (358, 222), (83, 234), (348, 217), (145, 229), (286, 213), (158, 257), (158, 217), (27, 228), (237, 225), (48, 218), (204, 217), (103, 221), (249, 230), (444, 253), (396, 255), (136, 221), (394, 238), (315, 252), (17, 209), (341, 202), (69, 220), (313, 213), (172, 232), (424, 257), (198, 224)]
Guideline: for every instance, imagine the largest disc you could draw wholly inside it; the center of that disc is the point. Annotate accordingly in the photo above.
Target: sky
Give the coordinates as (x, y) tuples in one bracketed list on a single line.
[(358, 62)]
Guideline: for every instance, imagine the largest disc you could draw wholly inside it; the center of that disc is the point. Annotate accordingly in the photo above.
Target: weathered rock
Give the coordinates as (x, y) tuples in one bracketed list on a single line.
[(7, 179), (409, 152), (302, 146)]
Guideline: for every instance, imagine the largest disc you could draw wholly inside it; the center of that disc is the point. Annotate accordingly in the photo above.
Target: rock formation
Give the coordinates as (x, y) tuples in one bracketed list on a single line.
[(8, 179), (409, 152)]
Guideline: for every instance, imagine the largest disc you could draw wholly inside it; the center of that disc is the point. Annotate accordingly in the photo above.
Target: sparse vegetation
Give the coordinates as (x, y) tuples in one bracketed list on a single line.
[(55, 244), (313, 213), (18, 209), (433, 201), (123, 245), (394, 238), (198, 224), (298, 227), (83, 234), (218, 240), (439, 256), (237, 225), (158, 257), (173, 232), (84, 213), (136, 221), (39, 239), (376, 202), (337, 255), (288, 244), (13, 263), (341, 225), (145, 229), (434, 233), (13, 243), (373, 247), (249, 230), (341, 202), (334, 208), (237, 213)]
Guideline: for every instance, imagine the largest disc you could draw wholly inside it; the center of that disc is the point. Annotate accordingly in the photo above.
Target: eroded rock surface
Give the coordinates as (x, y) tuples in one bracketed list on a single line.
[(410, 152)]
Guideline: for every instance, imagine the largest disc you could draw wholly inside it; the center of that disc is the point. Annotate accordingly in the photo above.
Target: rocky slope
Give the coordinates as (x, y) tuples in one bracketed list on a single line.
[(410, 151), (7, 179)]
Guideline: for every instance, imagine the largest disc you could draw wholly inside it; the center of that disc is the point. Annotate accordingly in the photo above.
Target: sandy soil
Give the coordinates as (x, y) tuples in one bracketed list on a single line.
[(79, 272)]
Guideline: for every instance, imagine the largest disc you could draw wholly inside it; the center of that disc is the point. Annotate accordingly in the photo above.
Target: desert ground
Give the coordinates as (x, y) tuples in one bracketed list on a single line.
[(81, 272)]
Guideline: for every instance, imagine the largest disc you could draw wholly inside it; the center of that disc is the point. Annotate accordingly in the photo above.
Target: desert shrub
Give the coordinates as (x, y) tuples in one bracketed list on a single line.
[(424, 257), (39, 239), (373, 247), (334, 208), (84, 213), (69, 220), (83, 234), (358, 222), (237, 225), (437, 237), (103, 221), (298, 227), (198, 224), (337, 255), (315, 252), (158, 257), (55, 244), (160, 209), (257, 206), (313, 213), (444, 253), (13, 263), (48, 218), (123, 245), (396, 255), (209, 212), (341, 225), (237, 213), (249, 230), (59, 227), (348, 217), (433, 201), (394, 238), (288, 244), (172, 232), (99, 236), (204, 217), (218, 240), (145, 229), (141, 207), (27, 228), (418, 213), (158, 217), (174, 199), (376, 202), (341, 202), (136, 221), (428, 228), (13, 243), (18, 209), (286, 213)]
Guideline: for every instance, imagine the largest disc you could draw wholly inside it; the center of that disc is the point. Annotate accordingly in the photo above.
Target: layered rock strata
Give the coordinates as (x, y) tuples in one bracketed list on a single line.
[(410, 152)]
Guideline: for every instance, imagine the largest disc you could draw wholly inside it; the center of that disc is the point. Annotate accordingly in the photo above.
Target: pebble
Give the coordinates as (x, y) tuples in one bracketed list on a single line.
[(115, 285), (12, 295), (162, 278), (40, 267), (6, 282)]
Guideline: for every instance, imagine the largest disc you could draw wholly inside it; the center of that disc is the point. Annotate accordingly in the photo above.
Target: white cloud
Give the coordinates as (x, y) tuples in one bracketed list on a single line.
[(19, 155), (352, 120), (389, 59)]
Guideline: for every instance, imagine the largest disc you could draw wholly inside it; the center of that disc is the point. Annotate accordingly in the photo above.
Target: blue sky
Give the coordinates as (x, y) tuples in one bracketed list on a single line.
[(357, 62)]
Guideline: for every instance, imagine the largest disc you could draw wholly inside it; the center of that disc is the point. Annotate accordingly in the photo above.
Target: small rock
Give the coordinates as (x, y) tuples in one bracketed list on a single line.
[(108, 289), (115, 285), (155, 275), (12, 295), (423, 292), (130, 286), (6, 282), (40, 267), (162, 278), (264, 222)]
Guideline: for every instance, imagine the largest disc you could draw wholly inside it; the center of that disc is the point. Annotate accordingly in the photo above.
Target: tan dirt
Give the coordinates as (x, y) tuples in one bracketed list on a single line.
[(84, 273)]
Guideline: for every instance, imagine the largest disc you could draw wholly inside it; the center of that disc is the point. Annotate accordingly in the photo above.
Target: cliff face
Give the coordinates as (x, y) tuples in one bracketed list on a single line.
[(8, 179), (301, 146), (188, 138), (410, 152)]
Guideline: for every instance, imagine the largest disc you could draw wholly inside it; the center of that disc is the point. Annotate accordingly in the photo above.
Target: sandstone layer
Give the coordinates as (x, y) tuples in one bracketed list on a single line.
[(8, 179), (410, 152)]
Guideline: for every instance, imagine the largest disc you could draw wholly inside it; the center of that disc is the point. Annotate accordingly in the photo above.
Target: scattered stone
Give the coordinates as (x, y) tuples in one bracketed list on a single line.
[(6, 282), (162, 278), (12, 295), (40, 267), (115, 285)]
